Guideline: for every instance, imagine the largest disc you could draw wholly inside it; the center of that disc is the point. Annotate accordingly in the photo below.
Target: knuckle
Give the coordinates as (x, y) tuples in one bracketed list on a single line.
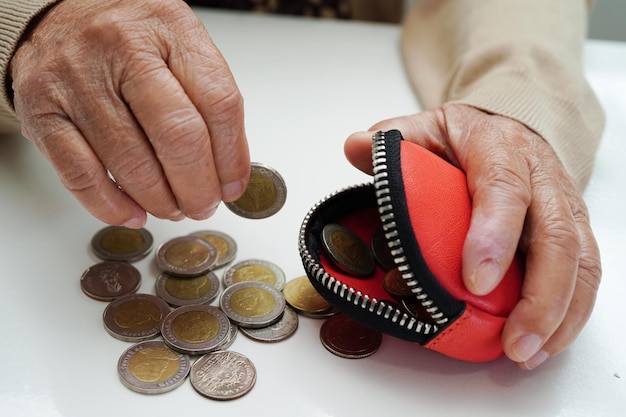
[(183, 139), (78, 179), (142, 172)]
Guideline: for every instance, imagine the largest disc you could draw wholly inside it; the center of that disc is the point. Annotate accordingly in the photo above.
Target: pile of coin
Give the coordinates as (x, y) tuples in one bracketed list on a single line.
[(188, 326), (357, 258)]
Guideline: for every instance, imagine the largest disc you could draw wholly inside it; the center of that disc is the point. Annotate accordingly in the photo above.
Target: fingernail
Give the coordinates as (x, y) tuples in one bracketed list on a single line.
[(485, 276), (135, 223), (203, 215), (232, 190), (526, 347), (536, 360)]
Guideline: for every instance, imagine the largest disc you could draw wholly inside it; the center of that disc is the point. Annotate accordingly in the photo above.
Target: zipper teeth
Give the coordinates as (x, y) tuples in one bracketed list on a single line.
[(385, 208), (348, 294)]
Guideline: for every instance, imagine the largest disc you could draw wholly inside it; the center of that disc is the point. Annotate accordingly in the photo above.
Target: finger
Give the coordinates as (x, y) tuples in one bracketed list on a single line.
[(178, 135), (358, 151), (125, 150), (552, 256), (500, 196), (586, 287), (204, 75), (82, 173), (423, 129)]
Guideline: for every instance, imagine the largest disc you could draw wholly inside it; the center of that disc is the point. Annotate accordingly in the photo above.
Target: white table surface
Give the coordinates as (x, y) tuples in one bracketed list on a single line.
[(307, 85)]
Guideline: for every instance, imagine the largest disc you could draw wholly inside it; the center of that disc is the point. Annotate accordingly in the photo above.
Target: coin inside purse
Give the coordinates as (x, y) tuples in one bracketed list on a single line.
[(422, 205)]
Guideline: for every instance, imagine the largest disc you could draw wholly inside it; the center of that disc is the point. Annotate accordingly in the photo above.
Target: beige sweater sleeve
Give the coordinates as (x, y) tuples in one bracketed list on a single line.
[(15, 15), (521, 59)]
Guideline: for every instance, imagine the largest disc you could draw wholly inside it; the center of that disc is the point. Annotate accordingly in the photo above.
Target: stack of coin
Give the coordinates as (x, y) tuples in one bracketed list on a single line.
[(359, 259)]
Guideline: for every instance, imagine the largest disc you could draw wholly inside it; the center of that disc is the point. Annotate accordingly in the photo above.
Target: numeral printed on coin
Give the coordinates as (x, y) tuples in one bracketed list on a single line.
[(187, 256), (347, 250), (181, 291), (150, 367), (254, 270), (117, 243), (265, 195), (135, 317), (108, 280), (223, 375)]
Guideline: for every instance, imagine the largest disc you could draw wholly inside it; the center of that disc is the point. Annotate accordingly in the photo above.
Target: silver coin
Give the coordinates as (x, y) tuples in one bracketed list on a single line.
[(187, 256), (108, 280), (255, 270), (135, 317), (118, 243), (277, 332), (252, 304), (195, 329), (223, 375), (348, 251), (230, 338), (265, 195), (225, 245), (150, 367), (182, 291)]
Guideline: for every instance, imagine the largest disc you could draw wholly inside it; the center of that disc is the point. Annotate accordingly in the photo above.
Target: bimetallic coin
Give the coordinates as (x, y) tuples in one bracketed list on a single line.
[(135, 317), (223, 375), (225, 245), (381, 251), (277, 332), (182, 291), (347, 250), (195, 329), (150, 367), (347, 338), (118, 243), (265, 195), (252, 304), (300, 295), (254, 270), (186, 256), (109, 280), (395, 285)]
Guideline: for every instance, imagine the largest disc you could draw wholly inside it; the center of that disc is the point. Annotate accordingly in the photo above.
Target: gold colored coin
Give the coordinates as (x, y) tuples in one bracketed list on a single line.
[(135, 317), (225, 245), (195, 326), (252, 304), (117, 243), (186, 256), (303, 297), (254, 270), (180, 291), (150, 367), (348, 251), (265, 195), (195, 329)]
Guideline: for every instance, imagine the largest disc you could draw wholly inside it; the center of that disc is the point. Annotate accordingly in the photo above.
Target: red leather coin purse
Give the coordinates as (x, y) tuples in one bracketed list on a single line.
[(421, 205)]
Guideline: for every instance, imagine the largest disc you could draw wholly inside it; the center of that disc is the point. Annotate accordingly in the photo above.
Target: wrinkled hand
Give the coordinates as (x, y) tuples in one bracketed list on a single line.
[(521, 197), (136, 91)]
